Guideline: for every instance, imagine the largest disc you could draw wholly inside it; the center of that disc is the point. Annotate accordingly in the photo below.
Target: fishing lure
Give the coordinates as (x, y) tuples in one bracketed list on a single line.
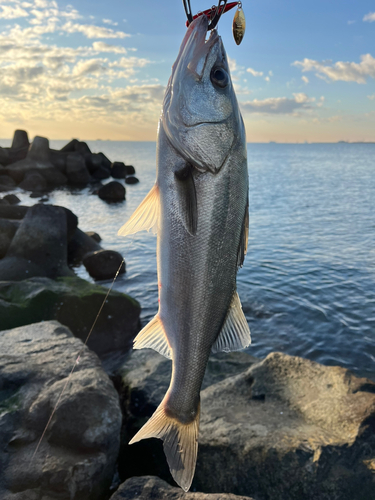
[(239, 24)]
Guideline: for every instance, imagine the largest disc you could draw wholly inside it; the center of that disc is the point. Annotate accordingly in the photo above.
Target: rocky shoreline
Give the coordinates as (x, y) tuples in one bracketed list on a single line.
[(282, 428)]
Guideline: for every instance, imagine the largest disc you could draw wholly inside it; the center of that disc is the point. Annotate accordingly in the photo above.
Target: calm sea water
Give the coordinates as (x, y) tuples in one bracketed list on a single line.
[(308, 283)]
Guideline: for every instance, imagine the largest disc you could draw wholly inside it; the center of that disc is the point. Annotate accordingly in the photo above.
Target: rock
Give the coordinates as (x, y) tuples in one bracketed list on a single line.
[(12, 199), (75, 303), (101, 173), (33, 181), (105, 162), (95, 236), (6, 183), (58, 160), (71, 221), (145, 488), (118, 170), (76, 170), (75, 146), (113, 191), (8, 229), (80, 245), (104, 264), (13, 212), (98, 165), (130, 170), (284, 428), (20, 139), (39, 248), (76, 459), (4, 156), (131, 180), (11, 155), (39, 150), (142, 383), (3, 201), (51, 174)]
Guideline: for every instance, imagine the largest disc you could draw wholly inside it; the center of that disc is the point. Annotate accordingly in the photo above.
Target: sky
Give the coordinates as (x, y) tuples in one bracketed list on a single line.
[(96, 69)]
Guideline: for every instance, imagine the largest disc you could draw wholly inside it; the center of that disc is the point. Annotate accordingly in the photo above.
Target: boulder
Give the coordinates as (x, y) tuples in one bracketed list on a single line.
[(8, 229), (20, 139), (130, 170), (39, 150), (131, 180), (11, 155), (6, 183), (75, 146), (101, 173), (12, 199), (145, 488), (3, 201), (75, 303), (39, 247), (76, 459), (80, 245), (76, 170), (95, 236), (105, 162), (104, 264), (112, 192), (13, 212), (58, 160), (118, 170), (284, 428), (33, 181)]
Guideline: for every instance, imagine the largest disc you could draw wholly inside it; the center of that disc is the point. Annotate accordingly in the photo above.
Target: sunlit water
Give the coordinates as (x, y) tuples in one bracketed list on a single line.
[(308, 283)]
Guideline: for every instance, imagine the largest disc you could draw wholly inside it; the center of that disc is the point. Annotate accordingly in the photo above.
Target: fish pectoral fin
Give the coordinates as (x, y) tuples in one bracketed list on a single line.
[(235, 334), (187, 196), (153, 336), (180, 443), (146, 216)]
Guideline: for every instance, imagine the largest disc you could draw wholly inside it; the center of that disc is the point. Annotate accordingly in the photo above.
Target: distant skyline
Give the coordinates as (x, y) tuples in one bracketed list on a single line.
[(97, 70)]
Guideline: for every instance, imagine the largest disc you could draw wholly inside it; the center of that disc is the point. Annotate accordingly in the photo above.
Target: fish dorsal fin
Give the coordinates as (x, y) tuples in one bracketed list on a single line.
[(153, 336), (242, 250), (235, 334), (187, 198), (146, 216)]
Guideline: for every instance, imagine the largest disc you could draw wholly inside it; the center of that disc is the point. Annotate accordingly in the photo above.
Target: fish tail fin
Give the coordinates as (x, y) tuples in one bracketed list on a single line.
[(180, 443)]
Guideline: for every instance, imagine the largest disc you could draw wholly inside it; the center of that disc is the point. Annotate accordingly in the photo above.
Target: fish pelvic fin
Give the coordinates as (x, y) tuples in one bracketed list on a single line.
[(145, 217), (180, 443), (153, 336), (235, 334)]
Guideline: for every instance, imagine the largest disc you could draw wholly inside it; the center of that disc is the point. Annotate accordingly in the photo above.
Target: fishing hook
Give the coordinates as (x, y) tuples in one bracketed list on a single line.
[(214, 18)]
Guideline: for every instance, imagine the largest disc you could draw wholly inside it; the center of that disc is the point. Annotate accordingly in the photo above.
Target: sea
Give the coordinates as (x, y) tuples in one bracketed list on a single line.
[(307, 286)]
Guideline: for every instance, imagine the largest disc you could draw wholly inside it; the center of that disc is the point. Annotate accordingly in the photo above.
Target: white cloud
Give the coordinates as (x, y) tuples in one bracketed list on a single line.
[(109, 21), (370, 17), (305, 79), (267, 78), (278, 105), (9, 12), (344, 71), (232, 64), (106, 47), (371, 97), (91, 31), (254, 73)]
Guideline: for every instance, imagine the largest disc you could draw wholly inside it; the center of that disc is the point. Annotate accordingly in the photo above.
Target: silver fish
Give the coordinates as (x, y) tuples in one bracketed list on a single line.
[(199, 208)]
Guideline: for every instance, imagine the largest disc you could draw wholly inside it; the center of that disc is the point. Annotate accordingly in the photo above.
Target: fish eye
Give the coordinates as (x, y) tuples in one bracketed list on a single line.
[(219, 77)]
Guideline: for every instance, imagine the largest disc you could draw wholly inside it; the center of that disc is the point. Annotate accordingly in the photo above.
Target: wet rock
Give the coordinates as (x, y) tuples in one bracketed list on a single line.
[(39, 248), (113, 192), (12, 199), (76, 170), (3, 201), (284, 428), (53, 176), (118, 170), (101, 173), (77, 457), (80, 245), (33, 181), (20, 139), (6, 183), (104, 264), (130, 170), (145, 488), (8, 229), (13, 212), (39, 150), (131, 180), (75, 303), (95, 236)]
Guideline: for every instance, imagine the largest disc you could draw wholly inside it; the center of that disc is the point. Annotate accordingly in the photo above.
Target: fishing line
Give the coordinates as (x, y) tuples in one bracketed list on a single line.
[(76, 361)]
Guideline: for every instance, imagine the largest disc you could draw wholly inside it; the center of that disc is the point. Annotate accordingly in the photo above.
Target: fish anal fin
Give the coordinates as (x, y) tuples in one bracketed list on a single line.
[(145, 217), (153, 336), (187, 198), (180, 443), (235, 334)]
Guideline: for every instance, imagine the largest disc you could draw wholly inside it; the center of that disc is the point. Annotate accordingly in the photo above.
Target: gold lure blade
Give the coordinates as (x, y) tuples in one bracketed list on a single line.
[(239, 25)]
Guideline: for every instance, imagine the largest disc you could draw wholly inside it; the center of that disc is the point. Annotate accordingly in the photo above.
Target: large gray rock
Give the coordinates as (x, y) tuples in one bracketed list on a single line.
[(6, 183), (75, 303), (112, 192), (80, 245), (8, 229), (76, 170), (285, 428), (39, 149), (148, 487), (39, 248), (104, 264), (77, 456), (20, 139), (33, 181)]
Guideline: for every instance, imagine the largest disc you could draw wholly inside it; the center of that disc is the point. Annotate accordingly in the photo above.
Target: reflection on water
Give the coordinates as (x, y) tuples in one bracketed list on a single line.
[(308, 282)]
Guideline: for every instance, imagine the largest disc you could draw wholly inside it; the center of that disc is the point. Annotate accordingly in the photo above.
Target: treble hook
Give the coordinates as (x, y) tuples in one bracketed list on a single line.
[(214, 19)]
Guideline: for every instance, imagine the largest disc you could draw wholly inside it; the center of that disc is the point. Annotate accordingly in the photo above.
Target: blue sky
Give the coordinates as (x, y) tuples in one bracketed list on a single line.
[(92, 69)]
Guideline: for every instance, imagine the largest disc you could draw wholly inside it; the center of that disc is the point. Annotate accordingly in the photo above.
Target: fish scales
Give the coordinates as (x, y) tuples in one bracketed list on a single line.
[(199, 208)]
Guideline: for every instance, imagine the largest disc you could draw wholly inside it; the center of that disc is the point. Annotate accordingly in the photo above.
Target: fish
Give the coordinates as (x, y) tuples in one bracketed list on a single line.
[(198, 207)]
